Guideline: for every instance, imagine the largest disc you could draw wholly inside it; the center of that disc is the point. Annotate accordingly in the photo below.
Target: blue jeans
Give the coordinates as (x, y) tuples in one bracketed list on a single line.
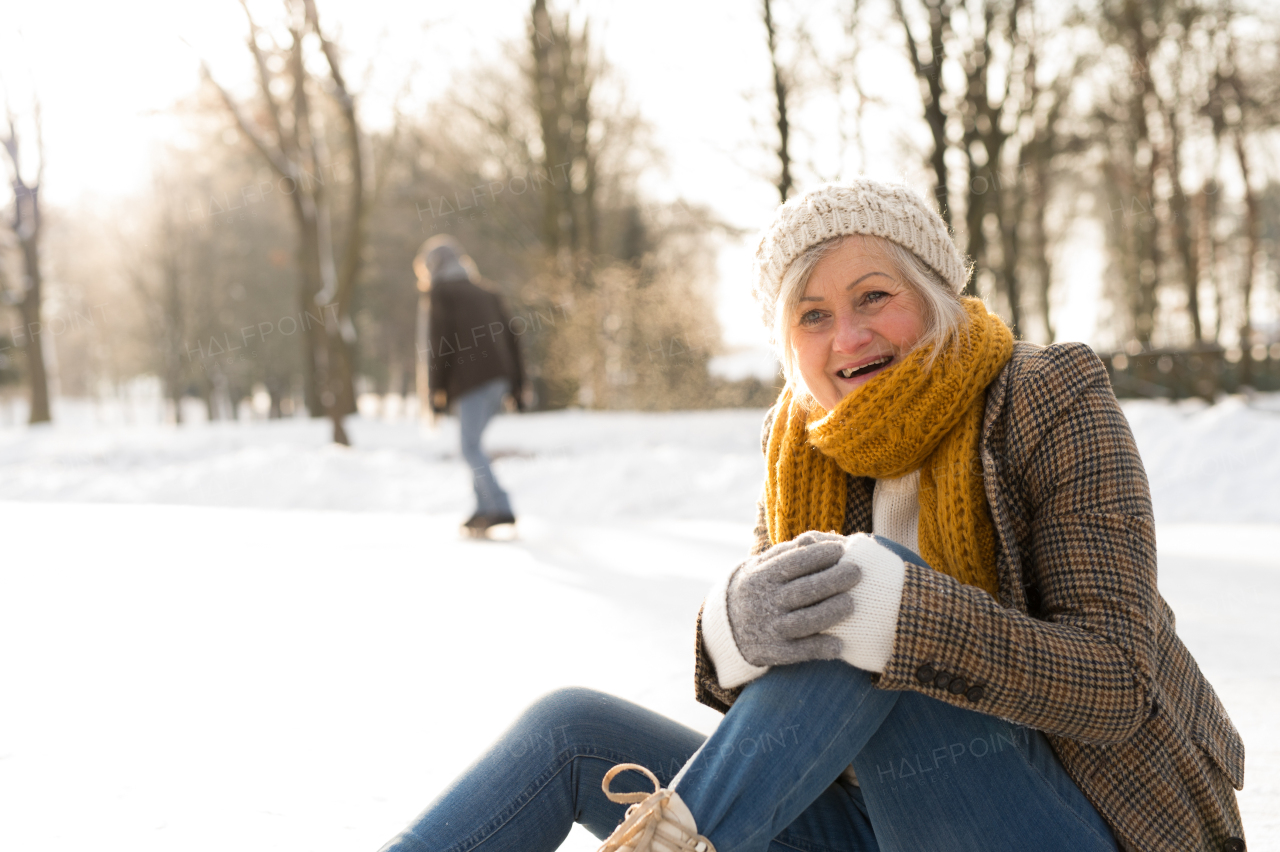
[(932, 776), (476, 408)]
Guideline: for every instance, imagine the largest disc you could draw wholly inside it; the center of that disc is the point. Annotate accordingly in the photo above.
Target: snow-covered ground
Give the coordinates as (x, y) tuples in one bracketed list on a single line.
[(236, 636)]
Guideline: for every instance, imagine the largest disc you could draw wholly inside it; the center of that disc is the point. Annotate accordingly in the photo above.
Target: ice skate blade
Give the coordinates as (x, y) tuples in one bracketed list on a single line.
[(497, 532)]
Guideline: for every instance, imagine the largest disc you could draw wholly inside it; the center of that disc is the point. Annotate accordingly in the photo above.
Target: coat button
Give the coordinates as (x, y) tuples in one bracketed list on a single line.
[(1233, 844), (926, 673), (957, 685), (942, 680), (975, 693)]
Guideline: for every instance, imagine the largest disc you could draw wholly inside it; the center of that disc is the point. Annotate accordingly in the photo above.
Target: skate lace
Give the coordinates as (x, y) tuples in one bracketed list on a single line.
[(639, 829)]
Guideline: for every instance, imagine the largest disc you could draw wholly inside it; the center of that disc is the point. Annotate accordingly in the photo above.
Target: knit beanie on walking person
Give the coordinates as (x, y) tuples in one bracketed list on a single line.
[(860, 206), (443, 259)]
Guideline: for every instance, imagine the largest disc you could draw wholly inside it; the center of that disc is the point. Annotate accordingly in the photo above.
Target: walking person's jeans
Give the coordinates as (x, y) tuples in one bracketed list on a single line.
[(475, 409), (932, 776)]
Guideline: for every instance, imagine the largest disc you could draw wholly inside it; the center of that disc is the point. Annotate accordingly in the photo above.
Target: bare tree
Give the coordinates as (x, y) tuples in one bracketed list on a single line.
[(1014, 116), (1134, 163), (1008, 120), (341, 330), (1040, 158), (563, 77), (781, 93), (1181, 211), (1249, 266), (1245, 110), (986, 130), (26, 225), (929, 76), (1182, 110), (295, 146)]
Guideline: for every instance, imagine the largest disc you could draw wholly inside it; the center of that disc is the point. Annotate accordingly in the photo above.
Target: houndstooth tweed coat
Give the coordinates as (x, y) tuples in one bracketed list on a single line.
[(1080, 645)]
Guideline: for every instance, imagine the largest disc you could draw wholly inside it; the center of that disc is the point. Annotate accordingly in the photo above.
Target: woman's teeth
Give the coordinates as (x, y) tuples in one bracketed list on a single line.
[(851, 372)]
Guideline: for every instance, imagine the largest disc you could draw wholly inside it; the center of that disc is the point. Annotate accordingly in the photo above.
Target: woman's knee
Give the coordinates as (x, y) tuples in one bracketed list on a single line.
[(553, 724), (567, 702), (816, 684), (558, 717)]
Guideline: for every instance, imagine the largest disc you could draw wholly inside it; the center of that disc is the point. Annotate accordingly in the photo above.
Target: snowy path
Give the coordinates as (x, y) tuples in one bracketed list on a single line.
[(215, 679), (299, 677)]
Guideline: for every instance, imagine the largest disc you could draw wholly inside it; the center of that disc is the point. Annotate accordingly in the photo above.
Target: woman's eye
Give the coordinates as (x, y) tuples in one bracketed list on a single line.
[(875, 296), (810, 317)]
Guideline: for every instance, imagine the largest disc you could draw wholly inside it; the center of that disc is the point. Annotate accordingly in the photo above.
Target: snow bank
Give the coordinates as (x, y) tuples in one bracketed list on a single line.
[(1217, 463), (1206, 463)]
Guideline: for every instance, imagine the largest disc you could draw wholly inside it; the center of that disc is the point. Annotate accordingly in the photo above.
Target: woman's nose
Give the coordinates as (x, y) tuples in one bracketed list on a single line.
[(851, 335)]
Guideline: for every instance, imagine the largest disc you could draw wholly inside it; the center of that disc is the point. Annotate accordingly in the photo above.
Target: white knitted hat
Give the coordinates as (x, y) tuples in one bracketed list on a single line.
[(860, 206)]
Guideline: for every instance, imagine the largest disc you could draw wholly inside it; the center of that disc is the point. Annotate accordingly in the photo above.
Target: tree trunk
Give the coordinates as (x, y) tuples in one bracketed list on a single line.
[(171, 314), (341, 330), (1036, 161), (929, 78), (1039, 200), (1180, 213), (27, 227), (1210, 195), (312, 326), (275, 391), (341, 371), (547, 73), (1250, 260), (1144, 227), (562, 80), (780, 91), (30, 310), (1010, 219)]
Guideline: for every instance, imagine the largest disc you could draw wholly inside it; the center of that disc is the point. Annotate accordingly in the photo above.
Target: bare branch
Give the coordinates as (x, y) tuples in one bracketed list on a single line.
[(929, 78), (912, 51), (780, 91), (39, 120), (278, 162), (342, 93), (359, 207), (264, 77)]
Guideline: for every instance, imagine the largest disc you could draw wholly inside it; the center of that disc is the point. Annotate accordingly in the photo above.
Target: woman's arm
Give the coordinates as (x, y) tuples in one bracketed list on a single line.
[(441, 329), (1072, 499)]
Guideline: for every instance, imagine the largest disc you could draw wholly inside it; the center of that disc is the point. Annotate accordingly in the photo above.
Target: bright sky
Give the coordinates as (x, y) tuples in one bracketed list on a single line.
[(107, 74)]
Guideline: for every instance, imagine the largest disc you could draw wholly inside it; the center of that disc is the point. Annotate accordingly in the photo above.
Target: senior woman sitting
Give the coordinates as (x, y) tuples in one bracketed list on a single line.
[(948, 635)]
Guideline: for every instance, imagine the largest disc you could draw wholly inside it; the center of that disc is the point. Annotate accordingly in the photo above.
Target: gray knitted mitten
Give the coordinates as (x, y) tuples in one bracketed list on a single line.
[(780, 601)]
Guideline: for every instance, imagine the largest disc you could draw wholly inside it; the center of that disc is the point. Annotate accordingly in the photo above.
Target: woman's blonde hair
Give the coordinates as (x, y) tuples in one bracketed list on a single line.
[(944, 316)]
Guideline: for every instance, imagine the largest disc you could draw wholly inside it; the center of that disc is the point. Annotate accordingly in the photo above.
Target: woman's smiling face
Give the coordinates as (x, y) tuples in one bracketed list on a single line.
[(856, 318)]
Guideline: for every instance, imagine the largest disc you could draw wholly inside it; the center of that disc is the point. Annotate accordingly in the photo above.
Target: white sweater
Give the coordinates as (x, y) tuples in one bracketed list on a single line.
[(867, 635)]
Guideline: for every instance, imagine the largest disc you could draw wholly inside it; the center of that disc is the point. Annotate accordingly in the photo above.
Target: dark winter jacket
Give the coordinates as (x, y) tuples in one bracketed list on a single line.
[(470, 341), (1080, 645)]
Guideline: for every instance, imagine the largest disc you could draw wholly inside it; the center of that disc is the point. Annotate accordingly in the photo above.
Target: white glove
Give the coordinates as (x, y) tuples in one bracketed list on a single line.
[(866, 636)]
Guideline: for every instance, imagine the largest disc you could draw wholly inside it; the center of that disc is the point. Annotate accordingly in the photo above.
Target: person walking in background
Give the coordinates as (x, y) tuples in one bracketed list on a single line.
[(473, 363)]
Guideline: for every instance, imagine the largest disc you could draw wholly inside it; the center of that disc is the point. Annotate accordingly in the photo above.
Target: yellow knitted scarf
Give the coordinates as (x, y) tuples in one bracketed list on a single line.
[(910, 417)]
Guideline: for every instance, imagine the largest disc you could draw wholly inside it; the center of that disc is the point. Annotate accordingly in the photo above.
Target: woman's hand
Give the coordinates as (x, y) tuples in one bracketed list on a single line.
[(780, 601)]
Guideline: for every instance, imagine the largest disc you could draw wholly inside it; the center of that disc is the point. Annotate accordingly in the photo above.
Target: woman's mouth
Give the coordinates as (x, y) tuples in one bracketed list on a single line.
[(865, 369)]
